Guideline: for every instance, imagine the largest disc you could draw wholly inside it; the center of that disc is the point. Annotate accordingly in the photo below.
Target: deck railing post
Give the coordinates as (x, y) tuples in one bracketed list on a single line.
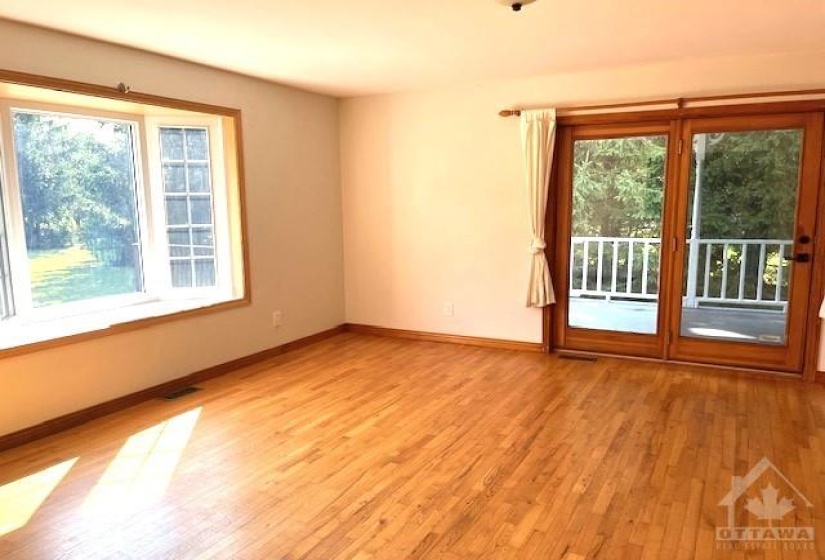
[(699, 148)]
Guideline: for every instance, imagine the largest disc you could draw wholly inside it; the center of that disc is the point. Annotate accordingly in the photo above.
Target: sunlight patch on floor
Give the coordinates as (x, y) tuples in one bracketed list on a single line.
[(140, 473), (19, 500)]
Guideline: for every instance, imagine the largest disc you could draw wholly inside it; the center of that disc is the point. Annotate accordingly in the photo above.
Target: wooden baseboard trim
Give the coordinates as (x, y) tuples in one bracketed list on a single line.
[(446, 338), (74, 419)]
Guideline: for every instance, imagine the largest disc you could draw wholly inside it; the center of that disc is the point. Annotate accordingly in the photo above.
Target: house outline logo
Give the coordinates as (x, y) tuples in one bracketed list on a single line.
[(774, 511)]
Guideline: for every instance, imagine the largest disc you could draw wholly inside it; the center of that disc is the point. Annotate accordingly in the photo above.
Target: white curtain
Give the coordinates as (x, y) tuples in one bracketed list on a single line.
[(538, 136)]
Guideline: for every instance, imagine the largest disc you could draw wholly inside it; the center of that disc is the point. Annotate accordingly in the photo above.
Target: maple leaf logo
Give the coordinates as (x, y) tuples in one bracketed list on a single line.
[(769, 507)]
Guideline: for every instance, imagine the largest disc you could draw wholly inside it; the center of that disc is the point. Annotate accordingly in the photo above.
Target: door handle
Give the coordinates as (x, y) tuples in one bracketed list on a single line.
[(799, 257)]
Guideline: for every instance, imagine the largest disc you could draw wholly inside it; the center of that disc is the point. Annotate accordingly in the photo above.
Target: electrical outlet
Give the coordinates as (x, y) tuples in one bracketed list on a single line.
[(277, 319), (449, 309)]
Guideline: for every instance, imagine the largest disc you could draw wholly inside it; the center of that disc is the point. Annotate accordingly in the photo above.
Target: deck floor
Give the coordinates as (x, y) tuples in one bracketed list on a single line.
[(743, 325)]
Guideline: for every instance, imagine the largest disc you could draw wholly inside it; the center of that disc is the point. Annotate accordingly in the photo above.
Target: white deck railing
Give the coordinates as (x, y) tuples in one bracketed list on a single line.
[(623, 280)]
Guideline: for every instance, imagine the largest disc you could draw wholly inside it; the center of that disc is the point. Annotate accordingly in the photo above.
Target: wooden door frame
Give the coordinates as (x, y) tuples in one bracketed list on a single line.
[(726, 352), (811, 351), (813, 348)]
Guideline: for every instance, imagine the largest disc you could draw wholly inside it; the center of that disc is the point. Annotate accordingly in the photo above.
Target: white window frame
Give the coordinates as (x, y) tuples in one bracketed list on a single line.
[(21, 273), (6, 293), (151, 217), (220, 207)]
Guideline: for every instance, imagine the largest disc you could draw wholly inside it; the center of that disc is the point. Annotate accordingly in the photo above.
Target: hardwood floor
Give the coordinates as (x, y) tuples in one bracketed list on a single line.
[(365, 447)]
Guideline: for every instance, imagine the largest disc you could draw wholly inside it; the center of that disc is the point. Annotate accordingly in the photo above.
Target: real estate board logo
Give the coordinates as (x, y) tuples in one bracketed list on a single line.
[(765, 511)]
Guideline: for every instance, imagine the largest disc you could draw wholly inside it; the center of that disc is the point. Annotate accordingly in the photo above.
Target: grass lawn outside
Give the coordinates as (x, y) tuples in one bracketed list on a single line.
[(74, 274)]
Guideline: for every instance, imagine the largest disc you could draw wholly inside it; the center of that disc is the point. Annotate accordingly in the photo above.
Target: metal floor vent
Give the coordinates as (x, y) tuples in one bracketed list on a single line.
[(180, 393), (588, 359)]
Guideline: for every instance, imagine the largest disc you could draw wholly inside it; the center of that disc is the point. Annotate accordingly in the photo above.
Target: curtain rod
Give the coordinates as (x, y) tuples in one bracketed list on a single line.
[(584, 108), (675, 103)]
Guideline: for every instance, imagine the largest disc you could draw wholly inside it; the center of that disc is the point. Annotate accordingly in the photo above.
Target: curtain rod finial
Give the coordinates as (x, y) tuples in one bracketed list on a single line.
[(509, 113)]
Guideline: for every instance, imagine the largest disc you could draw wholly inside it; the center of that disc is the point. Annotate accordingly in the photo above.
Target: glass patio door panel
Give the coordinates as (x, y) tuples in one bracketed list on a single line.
[(612, 199), (616, 233), (742, 205), (748, 210)]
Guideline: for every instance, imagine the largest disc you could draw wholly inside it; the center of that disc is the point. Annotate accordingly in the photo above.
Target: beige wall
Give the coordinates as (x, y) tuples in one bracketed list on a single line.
[(294, 223), (434, 208)]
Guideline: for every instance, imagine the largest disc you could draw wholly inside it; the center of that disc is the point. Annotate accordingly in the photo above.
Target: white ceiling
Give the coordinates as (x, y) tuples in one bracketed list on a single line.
[(358, 47)]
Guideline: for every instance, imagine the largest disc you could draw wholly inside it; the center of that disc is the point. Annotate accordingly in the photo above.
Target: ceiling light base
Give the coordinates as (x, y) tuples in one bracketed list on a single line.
[(515, 5)]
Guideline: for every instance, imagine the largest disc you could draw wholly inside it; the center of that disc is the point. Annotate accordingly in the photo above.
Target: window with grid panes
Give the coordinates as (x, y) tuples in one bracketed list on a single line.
[(113, 216), (187, 187)]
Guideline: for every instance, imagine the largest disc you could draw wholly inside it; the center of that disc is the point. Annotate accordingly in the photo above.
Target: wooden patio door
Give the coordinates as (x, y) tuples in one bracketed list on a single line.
[(745, 221), (614, 191), (689, 239)]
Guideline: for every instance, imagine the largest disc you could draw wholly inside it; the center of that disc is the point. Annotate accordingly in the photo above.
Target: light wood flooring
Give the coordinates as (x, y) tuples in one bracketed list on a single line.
[(365, 447)]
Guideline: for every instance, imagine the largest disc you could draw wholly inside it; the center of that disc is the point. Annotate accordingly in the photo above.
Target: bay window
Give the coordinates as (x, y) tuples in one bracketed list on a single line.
[(113, 216)]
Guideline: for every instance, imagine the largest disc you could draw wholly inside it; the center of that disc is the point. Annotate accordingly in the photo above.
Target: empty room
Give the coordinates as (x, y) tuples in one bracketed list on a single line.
[(473, 279)]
